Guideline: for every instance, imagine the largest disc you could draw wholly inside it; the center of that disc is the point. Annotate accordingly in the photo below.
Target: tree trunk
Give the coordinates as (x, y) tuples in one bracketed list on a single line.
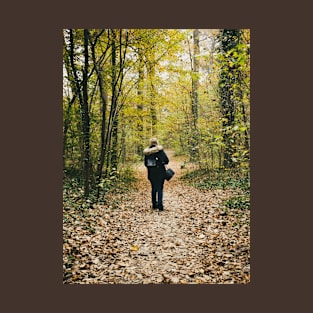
[(114, 118), (117, 81), (154, 118), (66, 113), (104, 102), (195, 78), (85, 118), (229, 40), (243, 111), (78, 92), (140, 126), (194, 139)]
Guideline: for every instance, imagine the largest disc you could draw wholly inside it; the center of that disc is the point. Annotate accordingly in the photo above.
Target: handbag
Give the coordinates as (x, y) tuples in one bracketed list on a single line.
[(169, 173)]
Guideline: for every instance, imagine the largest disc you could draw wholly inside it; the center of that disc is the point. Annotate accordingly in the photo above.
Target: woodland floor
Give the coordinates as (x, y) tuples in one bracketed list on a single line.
[(193, 241)]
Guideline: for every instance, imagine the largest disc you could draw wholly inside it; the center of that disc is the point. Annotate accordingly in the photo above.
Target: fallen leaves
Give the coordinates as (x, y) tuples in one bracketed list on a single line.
[(134, 248), (193, 241)]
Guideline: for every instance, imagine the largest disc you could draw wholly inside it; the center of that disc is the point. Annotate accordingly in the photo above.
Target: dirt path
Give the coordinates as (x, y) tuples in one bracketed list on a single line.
[(190, 242)]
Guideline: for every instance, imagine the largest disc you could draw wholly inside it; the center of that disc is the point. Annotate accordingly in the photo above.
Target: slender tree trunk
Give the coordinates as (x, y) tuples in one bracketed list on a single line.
[(104, 102), (102, 135), (115, 147), (194, 139), (78, 92), (154, 118), (85, 118), (123, 146), (243, 111), (140, 125), (66, 125), (114, 117), (195, 78), (67, 112), (118, 55)]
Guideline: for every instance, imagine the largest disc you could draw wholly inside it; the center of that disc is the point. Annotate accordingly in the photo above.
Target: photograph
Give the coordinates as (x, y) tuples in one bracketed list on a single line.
[(156, 156)]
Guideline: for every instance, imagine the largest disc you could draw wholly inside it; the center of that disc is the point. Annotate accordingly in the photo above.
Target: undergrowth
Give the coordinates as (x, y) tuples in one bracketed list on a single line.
[(223, 179), (217, 179), (73, 191)]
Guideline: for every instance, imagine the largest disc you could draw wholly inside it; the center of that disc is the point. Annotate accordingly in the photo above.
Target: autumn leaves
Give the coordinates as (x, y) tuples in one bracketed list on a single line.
[(194, 241)]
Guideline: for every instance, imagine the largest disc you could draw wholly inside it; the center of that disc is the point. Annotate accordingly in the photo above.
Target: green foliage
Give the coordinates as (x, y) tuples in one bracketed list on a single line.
[(238, 202), (234, 93), (235, 180), (148, 92), (118, 181), (218, 179), (73, 193)]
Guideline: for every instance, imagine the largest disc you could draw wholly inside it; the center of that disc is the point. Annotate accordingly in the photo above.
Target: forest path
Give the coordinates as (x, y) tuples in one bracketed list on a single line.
[(191, 242)]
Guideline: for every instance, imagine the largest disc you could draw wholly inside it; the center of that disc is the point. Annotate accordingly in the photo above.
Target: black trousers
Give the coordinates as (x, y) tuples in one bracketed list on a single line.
[(157, 192)]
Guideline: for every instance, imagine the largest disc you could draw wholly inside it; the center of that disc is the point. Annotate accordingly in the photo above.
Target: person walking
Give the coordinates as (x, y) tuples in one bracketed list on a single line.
[(155, 161)]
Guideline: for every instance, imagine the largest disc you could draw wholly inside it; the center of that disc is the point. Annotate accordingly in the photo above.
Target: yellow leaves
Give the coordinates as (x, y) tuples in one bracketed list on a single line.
[(134, 248)]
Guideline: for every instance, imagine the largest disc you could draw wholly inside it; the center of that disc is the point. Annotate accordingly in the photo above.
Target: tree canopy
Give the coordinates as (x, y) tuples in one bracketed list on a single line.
[(188, 87)]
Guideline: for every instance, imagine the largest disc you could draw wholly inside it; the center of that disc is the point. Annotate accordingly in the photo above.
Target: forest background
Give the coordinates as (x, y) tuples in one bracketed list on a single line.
[(188, 87)]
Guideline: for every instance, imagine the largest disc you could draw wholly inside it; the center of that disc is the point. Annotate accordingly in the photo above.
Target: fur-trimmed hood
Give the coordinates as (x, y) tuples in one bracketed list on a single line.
[(152, 150)]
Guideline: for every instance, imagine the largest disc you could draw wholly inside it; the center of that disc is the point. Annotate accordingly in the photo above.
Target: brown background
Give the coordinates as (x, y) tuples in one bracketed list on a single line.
[(31, 156)]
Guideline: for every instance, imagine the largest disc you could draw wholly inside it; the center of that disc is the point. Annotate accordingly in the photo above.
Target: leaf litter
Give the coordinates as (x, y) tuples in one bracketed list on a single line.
[(193, 241)]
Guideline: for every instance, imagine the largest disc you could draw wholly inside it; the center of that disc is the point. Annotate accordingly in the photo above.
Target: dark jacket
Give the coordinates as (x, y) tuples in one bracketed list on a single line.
[(156, 173)]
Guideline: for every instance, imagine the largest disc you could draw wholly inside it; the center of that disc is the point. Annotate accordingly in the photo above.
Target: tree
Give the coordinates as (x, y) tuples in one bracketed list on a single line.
[(229, 89), (104, 101), (140, 96), (194, 138), (85, 117), (81, 90), (122, 86), (195, 78)]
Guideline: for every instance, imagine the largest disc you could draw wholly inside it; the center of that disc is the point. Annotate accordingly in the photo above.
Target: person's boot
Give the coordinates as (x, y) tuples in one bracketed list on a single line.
[(160, 206), (155, 205)]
